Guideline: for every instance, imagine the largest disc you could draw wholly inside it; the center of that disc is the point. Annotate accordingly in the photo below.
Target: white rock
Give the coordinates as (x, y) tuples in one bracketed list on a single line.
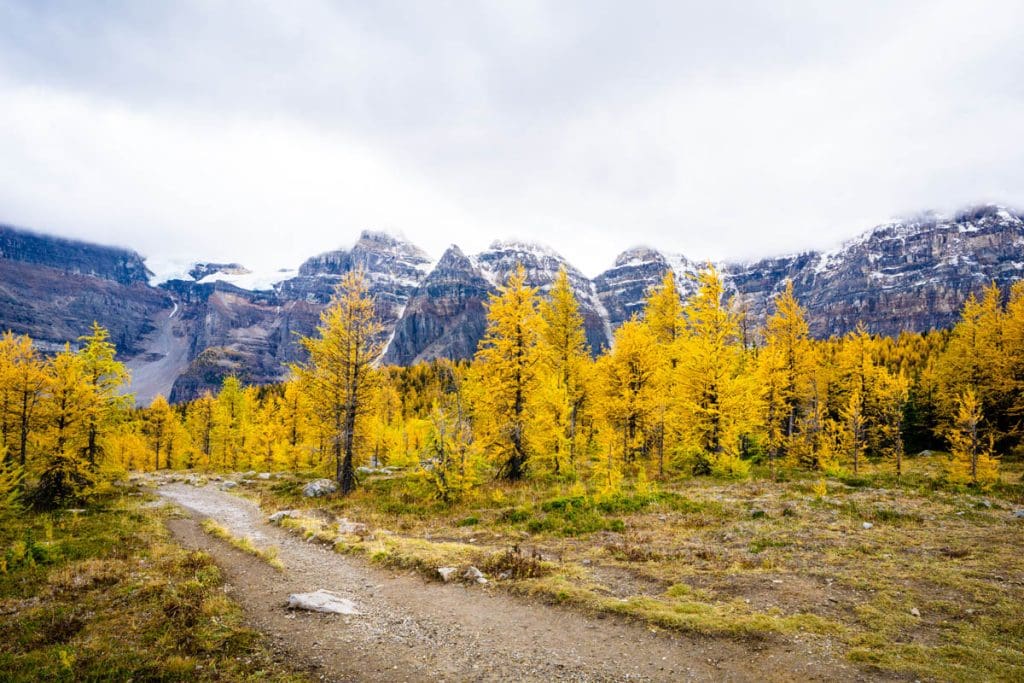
[(319, 487), (228, 485), (447, 573), (263, 475), (347, 527), (867, 525), (322, 601), (281, 514), (915, 612), (474, 574)]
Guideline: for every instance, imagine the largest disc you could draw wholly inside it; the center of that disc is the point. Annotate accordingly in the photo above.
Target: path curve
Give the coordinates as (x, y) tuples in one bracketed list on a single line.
[(411, 629)]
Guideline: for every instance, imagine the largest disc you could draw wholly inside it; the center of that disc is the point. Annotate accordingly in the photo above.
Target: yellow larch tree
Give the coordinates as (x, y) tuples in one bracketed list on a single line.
[(629, 392), (972, 461), (663, 317), (507, 376), (339, 374), (790, 362), (64, 475), (105, 376), (564, 362), (718, 404)]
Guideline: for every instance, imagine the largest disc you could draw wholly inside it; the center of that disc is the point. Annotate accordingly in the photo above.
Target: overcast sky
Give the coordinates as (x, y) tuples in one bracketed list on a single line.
[(268, 132)]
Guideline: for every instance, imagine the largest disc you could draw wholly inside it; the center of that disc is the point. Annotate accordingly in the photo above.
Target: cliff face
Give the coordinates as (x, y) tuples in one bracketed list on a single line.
[(72, 257), (221, 319), (53, 289), (910, 275), (446, 316)]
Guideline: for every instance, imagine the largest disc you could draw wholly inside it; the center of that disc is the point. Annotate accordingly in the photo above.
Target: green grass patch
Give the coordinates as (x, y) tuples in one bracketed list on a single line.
[(268, 555), (106, 596)]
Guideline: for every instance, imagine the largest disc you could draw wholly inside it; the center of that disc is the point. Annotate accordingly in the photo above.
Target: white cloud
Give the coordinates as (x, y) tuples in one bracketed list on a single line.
[(242, 132)]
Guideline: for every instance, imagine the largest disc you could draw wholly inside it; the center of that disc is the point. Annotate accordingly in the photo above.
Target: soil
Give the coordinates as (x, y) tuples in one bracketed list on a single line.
[(411, 629)]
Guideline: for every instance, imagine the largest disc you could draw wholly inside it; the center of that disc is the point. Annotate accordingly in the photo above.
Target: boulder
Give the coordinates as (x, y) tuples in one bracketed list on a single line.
[(867, 525), (228, 485), (319, 487), (322, 601), (447, 573), (263, 475), (1019, 514)]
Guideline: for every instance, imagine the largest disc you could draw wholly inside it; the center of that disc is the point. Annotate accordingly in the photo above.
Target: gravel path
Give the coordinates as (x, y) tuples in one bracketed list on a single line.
[(410, 629)]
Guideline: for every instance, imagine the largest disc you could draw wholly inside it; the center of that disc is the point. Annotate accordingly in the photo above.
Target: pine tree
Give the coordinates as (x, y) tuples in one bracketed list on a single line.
[(507, 371), (339, 374)]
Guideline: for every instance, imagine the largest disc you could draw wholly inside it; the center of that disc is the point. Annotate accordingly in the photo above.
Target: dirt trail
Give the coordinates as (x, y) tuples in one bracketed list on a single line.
[(410, 629)]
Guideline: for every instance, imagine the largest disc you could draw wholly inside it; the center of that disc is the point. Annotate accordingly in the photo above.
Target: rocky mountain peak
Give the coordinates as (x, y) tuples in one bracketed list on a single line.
[(640, 256)]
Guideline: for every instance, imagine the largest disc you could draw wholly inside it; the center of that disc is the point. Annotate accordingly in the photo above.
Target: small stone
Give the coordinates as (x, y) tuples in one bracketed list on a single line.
[(1019, 514), (228, 485), (867, 525), (446, 573), (915, 612)]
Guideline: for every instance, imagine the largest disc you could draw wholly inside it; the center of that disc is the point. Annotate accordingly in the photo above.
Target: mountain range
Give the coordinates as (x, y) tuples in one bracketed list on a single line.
[(182, 333)]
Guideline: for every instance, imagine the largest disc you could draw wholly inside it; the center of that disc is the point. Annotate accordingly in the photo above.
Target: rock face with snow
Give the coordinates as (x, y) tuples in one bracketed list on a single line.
[(254, 333), (447, 315), (905, 275), (52, 289), (909, 275)]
